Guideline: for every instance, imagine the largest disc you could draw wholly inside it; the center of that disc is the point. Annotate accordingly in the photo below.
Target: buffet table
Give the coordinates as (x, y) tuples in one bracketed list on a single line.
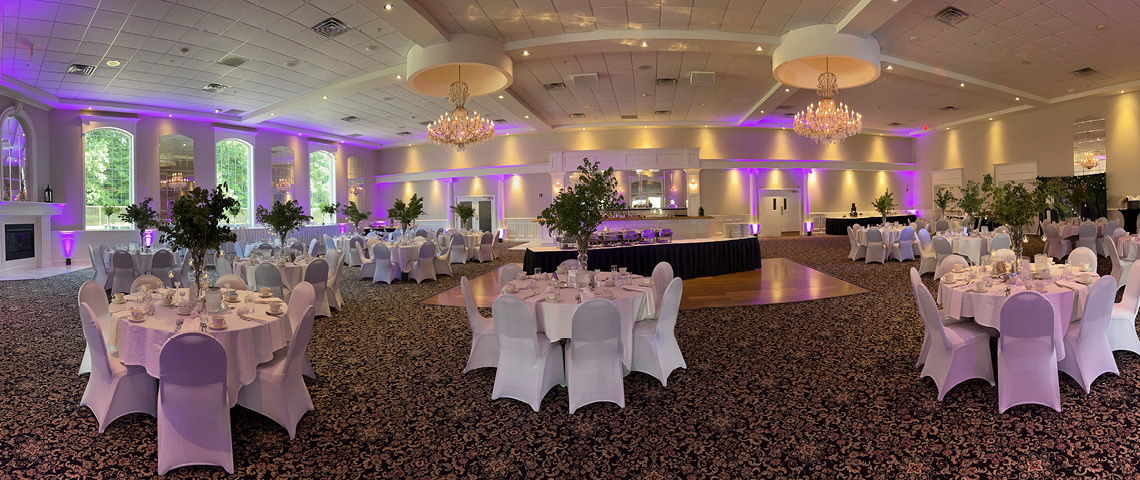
[(838, 225), (690, 258)]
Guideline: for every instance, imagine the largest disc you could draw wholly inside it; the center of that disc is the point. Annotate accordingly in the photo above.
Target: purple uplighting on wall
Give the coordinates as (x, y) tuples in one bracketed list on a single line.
[(148, 237), (67, 239)]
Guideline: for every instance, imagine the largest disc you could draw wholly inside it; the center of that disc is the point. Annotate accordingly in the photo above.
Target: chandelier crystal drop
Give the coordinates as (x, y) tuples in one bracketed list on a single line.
[(828, 122), (458, 128), (1089, 161)]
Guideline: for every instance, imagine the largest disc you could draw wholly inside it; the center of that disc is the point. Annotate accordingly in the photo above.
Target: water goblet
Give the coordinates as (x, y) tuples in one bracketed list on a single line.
[(537, 271)]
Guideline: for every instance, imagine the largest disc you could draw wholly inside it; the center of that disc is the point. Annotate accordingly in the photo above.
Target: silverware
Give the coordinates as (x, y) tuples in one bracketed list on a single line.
[(1065, 286), (178, 326), (578, 298)]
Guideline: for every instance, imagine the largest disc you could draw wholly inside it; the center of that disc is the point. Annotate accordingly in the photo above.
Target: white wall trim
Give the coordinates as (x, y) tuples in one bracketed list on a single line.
[(464, 173), (626, 159), (816, 164)]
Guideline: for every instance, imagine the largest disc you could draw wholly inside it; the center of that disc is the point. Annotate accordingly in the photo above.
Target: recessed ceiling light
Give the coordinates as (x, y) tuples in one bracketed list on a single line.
[(991, 118), (787, 89), (500, 96), (1122, 91), (644, 44), (1017, 98), (387, 6), (526, 52), (759, 49), (399, 77), (292, 63), (272, 114), (324, 97), (914, 37), (890, 67), (370, 48), (526, 116), (113, 63), (761, 111), (948, 128), (217, 110), (961, 84), (170, 114)]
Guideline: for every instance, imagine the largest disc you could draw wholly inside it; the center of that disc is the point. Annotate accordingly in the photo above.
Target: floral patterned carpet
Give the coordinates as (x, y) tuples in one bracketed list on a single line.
[(823, 389)]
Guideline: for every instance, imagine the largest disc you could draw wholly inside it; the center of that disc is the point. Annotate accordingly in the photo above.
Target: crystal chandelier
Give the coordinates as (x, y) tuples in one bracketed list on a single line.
[(176, 182), (282, 186), (1089, 161), (356, 189), (826, 122), (457, 128)]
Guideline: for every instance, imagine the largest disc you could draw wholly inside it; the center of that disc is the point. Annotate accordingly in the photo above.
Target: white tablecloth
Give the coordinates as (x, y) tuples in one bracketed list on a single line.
[(554, 318), (142, 261), (1129, 248), (403, 255), (961, 301), (890, 236), (291, 273), (247, 343), (1075, 230), (971, 247)]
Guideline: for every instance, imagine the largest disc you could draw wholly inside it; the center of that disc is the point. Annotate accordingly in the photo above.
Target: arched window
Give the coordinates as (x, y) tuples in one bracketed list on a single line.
[(321, 181), (175, 170), (13, 160), (108, 161), (234, 159)]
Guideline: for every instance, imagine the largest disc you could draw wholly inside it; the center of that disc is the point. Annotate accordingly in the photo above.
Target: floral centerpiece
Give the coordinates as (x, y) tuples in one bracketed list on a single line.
[(195, 224), (465, 212), (974, 198), (407, 213), (943, 198), (282, 218), (108, 210), (354, 215), (141, 216), (1015, 206), (884, 204), (330, 210), (579, 210)]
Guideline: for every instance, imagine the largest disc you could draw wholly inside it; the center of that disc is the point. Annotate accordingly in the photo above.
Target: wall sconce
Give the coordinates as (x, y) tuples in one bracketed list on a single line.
[(808, 227)]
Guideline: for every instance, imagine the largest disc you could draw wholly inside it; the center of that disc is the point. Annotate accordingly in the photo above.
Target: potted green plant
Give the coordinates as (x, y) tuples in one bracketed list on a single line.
[(407, 213), (330, 210), (354, 215), (465, 212), (141, 216), (973, 199), (942, 199), (108, 210), (580, 209), (282, 218), (195, 224), (1015, 206), (884, 204)]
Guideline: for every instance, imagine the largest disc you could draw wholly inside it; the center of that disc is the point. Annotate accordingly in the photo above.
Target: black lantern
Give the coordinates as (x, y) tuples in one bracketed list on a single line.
[(48, 195)]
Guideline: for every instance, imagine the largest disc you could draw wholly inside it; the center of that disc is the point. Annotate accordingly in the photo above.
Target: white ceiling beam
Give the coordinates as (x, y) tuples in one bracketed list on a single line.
[(773, 98), (514, 107), (368, 81), (630, 40), (410, 19), (28, 94), (947, 78), (869, 15)]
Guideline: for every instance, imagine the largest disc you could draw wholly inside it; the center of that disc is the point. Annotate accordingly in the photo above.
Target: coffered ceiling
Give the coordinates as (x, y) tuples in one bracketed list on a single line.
[(159, 55)]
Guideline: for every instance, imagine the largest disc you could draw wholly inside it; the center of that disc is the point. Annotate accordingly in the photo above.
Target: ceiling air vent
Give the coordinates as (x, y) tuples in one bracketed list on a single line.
[(500, 120), (80, 69), (351, 118), (662, 112), (425, 123), (951, 16), (785, 107), (790, 114), (232, 60), (215, 88), (577, 115), (234, 111), (331, 27), (949, 108), (584, 80), (354, 135), (894, 124), (702, 79), (629, 117), (1084, 72), (666, 82), (404, 133), (550, 87)]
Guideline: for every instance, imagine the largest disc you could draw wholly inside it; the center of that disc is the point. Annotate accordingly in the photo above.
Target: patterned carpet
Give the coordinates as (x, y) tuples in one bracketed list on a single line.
[(823, 389)]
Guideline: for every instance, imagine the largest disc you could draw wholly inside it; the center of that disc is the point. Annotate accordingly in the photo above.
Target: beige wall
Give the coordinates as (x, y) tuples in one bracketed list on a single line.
[(725, 192), (1044, 135), (715, 143)]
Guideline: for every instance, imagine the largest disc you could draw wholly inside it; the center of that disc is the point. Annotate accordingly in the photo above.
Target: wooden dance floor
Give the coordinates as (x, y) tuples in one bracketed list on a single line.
[(779, 280)]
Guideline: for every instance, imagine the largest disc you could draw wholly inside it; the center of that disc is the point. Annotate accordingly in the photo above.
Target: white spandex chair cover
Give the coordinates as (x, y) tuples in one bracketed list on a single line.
[(102, 274), (1120, 268), (928, 259), (1055, 246), (1087, 353), (458, 249), (904, 249), (942, 250), (1109, 232), (484, 344), (1006, 255), (151, 281), (876, 251), (333, 289), (507, 273), (593, 355), (95, 297), (317, 275), (313, 250), (239, 249), (948, 263), (1000, 241), (160, 265), (1083, 255), (330, 244), (367, 265), (655, 349), (299, 306), (423, 268), (662, 275), (235, 282), (278, 391), (193, 413), (182, 273), (1027, 357), (570, 263), (125, 271), (356, 256), (529, 365), (383, 270), (223, 267), (114, 389), (1122, 322), (485, 253), (1086, 236), (267, 275), (442, 265), (857, 251), (941, 226), (957, 352)]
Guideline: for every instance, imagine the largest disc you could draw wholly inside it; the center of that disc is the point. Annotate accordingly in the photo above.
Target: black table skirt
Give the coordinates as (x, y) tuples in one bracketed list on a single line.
[(689, 260), (838, 226), (1129, 218)]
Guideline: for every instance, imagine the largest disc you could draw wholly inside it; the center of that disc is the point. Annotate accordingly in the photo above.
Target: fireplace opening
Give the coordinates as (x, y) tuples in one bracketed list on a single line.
[(19, 241)]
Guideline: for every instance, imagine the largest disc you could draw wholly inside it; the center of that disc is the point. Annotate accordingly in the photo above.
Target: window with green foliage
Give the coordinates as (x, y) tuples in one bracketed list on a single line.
[(321, 181), (108, 158), (234, 159)]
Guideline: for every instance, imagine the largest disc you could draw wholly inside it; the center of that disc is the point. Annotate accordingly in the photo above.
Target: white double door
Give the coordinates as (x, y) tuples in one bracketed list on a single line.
[(779, 211)]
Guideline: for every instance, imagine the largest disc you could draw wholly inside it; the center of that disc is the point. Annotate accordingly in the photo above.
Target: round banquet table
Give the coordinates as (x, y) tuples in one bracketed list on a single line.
[(960, 300), (838, 225), (554, 317), (1129, 248), (292, 273), (1067, 231), (142, 261), (471, 240), (890, 235), (403, 255), (971, 247), (247, 342)]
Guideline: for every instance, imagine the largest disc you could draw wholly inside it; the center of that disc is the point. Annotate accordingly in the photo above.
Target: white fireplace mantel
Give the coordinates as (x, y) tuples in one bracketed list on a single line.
[(35, 213)]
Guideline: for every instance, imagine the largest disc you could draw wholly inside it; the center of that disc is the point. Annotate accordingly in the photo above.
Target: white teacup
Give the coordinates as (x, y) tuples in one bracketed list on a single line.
[(1087, 278), (623, 270), (265, 291), (218, 321), (119, 297), (552, 296), (184, 308), (145, 288), (275, 307), (510, 288), (137, 314)]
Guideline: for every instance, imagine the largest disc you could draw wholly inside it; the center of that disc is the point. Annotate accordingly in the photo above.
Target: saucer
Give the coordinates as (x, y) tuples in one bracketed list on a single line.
[(171, 304), (234, 300), (647, 283), (555, 299), (278, 314), (265, 295), (212, 327), (131, 318), (116, 302), (187, 314), (1090, 282)]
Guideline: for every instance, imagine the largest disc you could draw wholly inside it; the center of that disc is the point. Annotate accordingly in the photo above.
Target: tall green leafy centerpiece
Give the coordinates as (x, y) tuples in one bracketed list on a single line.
[(973, 199), (943, 198), (195, 224), (1015, 206), (330, 210), (282, 218), (108, 210), (465, 212), (354, 215), (884, 204), (407, 213), (580, 209), (141, 216)]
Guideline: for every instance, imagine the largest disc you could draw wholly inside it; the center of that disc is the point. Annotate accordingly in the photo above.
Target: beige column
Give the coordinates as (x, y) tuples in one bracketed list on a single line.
[(693, 177)]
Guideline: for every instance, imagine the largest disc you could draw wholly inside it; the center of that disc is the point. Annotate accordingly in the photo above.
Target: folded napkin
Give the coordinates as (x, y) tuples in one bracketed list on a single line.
[(650, 298), (267, 300), (587, 294)]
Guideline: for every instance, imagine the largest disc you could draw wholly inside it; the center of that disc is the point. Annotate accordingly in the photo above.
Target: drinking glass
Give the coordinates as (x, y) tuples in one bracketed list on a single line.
[(537, 271)]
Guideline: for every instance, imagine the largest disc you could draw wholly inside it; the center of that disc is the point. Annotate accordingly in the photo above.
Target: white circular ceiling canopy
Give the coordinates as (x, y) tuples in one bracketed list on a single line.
[(805, 53), (484, 66)]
